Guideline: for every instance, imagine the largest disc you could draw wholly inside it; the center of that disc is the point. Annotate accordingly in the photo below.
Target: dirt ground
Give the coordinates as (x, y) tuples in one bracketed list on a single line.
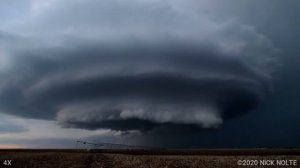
[(69, 159)]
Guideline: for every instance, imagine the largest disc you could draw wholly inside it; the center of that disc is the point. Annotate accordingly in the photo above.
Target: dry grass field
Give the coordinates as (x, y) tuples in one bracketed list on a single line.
[(143, 158)]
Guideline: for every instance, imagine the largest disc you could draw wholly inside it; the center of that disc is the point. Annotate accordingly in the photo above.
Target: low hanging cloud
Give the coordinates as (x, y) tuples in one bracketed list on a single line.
[(131, 66), (9, 127)]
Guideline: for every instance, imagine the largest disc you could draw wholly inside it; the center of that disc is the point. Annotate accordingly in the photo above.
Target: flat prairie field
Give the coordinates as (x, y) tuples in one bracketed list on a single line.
[(145, 158)]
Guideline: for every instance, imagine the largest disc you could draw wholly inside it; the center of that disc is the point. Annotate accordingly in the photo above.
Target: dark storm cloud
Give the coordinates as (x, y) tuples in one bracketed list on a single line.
[(133, 69), (122, 89)]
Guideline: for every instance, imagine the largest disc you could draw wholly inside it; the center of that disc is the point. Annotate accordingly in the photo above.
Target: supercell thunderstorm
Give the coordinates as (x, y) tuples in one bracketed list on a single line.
[(132, 66)]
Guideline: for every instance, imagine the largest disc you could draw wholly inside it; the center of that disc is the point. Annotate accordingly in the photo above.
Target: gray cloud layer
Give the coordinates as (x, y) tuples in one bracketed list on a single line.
[(128, 66), (6, 127)]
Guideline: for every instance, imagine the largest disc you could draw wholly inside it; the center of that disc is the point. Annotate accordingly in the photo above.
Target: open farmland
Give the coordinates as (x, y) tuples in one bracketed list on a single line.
[(145, 158)]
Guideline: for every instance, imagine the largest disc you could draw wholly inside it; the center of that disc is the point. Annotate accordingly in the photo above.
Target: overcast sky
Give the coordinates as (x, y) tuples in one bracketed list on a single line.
[(169, 73)]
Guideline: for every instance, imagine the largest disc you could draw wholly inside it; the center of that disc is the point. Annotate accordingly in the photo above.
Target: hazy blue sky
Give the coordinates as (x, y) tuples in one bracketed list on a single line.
[(173, 73)]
